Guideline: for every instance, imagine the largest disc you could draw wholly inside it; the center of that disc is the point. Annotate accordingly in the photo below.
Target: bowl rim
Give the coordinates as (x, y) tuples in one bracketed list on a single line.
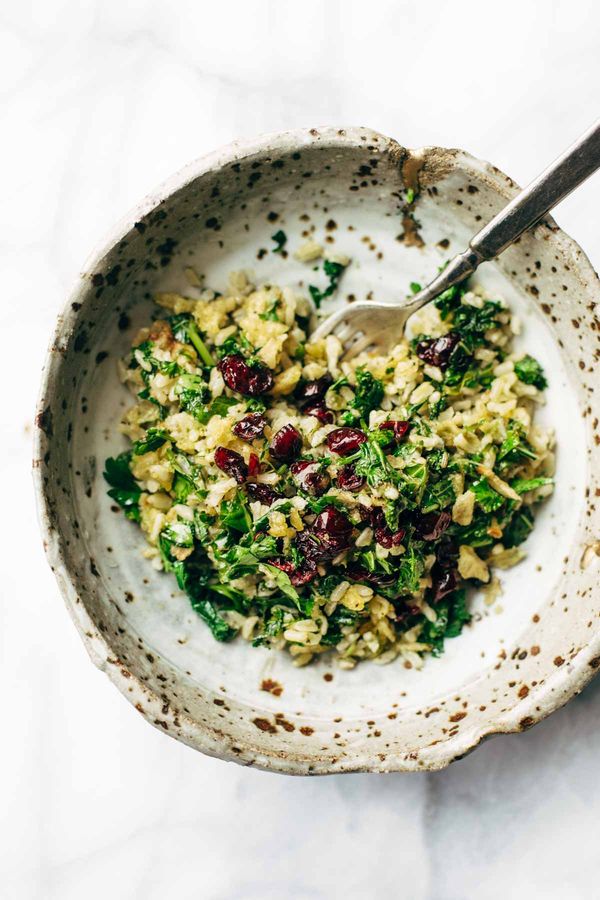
[(569, 680)]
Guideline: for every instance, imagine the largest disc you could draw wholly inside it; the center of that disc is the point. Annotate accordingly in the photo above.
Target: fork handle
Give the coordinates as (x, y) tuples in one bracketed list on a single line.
[(566, 173)]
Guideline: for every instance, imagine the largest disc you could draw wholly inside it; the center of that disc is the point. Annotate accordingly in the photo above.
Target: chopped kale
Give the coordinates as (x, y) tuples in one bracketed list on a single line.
[(235, 514), (452, 615), (333, 271), (514, 447), (154, 438), (185, 330), (518, 528), (272, 627), (529, 371), (487, 498), (339, 619), (368, 393), (270, 314), (124, 488), (522, 485), (280, 238)]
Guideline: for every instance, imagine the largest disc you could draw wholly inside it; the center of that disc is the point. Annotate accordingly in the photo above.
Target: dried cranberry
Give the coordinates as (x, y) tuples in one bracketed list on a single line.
[(309, 477), (388, 538), (285, 444), (431, 526), (231, 463), (444, 582), (400, 429), (320, 412), (312, 391), (437, 351), (245, 379), (261, 492), (348, 480), (253, 464), (298, 575), (333, 532), (357, 573), (345, 440), (250, 427)]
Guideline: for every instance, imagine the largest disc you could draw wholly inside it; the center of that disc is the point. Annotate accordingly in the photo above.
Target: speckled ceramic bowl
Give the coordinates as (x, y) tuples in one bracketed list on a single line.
[(518, 661)]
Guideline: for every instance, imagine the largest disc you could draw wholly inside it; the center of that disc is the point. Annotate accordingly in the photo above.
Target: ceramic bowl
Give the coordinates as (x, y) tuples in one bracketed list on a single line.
[(520, 659)]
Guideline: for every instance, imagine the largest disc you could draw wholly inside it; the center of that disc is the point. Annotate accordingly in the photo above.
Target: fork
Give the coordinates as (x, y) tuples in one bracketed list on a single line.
[(375, 327)]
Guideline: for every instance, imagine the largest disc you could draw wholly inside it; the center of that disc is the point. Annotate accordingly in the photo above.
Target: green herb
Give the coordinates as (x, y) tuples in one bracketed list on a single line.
[(272, 627), (477, 533), (514, 447), (415, 287), (124, 488), (438, 494), (522, 485), (282, 580), (488, 499), (410, 196), (280, 239), (340, 618), (452, 615), (333, 271), (410, 570), (185, 330), (471, 322), (179, 533), (449, 300), (235, 514), (270, 314), (255, 404), (372, 463), (368, 392), (519, 527), (181, 488), (529, 371), (154, 438)]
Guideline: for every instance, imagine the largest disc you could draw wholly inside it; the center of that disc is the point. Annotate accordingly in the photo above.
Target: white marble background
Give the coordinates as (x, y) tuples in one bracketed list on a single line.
[(99, 101)]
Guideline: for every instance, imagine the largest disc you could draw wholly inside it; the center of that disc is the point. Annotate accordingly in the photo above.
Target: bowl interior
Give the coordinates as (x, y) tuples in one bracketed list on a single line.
[(348, 190)]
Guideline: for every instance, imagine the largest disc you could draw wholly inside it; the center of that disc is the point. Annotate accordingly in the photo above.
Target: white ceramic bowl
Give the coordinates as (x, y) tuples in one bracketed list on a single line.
[(507, 670)]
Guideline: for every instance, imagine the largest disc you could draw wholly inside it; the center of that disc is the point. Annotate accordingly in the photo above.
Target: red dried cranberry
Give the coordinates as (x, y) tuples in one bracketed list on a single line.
[(348, 480), (261, 492), (248, 380), (310, 478), (333, 532), (253, 464), (320, 412), (231, 463), (298, 575), (400, 429), (431, 526), (388, 538), (437, 351), (444, 582), (357, 573), (345, 440), (250, 427), (285, 444), (312, 391)]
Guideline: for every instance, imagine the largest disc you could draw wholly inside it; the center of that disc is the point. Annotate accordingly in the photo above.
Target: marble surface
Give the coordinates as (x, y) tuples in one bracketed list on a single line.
[(99, 102)]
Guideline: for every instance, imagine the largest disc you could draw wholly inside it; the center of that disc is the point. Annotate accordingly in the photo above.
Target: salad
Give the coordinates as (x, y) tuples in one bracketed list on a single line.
[(315, 505)]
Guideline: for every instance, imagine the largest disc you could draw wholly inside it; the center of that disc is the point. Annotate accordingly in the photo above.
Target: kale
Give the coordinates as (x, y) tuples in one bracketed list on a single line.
[(411, 482), (236, 344), (449, 300), (194, 394), (410, 570), (280, 239), (155, 438), (392, 511), (192, 474), (518, 528), (452, 615), (270, 314), (179, 533), (273, 626), (235, 514), (146, 395), (477, 533), (255, 404), (282, 580), (334, 271), (124, 488), (415, 287), (193, 576), (372, 463), (181, 487), (514, 447), (522, 485), (437, 407), (368, 392), (185, 330), (438, 494), (471, 322), (529, 371), (488, 499), (339, 618)]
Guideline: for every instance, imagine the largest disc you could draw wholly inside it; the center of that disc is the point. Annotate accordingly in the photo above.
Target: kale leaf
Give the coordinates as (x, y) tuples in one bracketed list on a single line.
[(154, 438), (452, 615), (124, 488), (529, 371), (334, 272), (368, 393), (280, 238)]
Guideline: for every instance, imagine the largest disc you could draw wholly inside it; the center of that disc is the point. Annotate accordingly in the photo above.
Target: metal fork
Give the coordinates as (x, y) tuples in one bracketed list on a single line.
[(375, 327)]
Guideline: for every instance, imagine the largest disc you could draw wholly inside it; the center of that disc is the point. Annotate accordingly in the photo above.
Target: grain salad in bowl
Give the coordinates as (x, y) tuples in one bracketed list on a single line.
[(322, 506)]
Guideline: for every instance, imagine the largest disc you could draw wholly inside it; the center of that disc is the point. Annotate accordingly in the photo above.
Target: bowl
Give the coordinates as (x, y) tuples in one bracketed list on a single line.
[(519, 660)]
